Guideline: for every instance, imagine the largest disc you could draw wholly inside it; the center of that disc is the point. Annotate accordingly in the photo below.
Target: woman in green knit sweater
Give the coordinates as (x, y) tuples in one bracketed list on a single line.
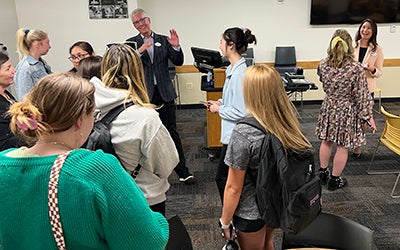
[(100, 205)]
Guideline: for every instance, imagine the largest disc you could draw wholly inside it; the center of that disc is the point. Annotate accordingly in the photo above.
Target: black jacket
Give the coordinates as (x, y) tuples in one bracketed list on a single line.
[(7, 139), (163, 52)]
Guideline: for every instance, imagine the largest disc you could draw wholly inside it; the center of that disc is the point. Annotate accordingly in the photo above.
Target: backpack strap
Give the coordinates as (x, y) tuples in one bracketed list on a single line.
[(113, 113), (109, 117), (250, 120)]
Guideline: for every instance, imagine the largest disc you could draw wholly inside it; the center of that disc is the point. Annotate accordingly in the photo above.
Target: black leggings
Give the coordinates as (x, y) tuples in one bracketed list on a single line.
[(222, 173), (159, 207)]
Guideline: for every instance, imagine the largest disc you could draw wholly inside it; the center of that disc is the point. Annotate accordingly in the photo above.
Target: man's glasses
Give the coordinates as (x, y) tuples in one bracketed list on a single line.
[(77, 57), (140, 20)]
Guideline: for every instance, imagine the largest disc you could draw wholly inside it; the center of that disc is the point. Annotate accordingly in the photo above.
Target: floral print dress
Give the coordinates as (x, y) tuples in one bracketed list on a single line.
[(347, 104)]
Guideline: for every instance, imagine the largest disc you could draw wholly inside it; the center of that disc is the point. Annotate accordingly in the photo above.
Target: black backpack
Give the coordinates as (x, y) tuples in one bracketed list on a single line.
[(100, 137), (288, 192)]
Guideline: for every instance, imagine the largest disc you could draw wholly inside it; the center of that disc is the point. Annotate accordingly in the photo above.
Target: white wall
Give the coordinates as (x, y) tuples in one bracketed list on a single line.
[(199, 24), (8, 27), (67, 22)]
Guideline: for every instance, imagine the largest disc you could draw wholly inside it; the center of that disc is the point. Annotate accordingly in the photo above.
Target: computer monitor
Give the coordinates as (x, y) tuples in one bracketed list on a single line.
[(205, 59)]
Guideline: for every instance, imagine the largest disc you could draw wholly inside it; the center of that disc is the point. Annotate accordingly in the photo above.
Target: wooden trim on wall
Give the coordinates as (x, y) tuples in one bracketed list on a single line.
[(392, 62), (186, 69)]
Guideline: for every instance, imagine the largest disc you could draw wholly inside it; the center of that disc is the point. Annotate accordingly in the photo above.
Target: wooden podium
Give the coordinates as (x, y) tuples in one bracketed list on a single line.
[(213, 131)]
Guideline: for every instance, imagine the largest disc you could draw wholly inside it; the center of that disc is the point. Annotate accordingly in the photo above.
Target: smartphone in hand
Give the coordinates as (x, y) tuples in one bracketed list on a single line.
[(205, 103)]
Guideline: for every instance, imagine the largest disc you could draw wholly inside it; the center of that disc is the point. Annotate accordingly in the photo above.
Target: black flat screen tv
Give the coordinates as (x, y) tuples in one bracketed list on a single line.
[(354, 11)]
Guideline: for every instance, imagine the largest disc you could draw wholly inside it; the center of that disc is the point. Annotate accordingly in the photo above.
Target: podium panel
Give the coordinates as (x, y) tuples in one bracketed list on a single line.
[(213, 123)]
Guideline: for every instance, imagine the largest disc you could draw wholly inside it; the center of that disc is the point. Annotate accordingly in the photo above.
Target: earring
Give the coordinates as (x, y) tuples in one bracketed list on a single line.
[(81, 139)]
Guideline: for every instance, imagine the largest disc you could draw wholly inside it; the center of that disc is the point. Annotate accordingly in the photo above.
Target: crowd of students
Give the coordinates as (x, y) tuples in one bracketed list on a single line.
[(103, 207)]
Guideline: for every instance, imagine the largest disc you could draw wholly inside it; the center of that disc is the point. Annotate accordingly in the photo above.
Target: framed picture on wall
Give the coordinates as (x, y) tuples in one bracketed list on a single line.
[(106, 9)]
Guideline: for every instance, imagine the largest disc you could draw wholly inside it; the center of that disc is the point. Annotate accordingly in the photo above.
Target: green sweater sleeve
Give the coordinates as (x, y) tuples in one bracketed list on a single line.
[(126, 220)]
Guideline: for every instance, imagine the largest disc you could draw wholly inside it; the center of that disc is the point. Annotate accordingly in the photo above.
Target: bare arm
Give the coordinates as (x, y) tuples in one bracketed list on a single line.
[(233, 191)]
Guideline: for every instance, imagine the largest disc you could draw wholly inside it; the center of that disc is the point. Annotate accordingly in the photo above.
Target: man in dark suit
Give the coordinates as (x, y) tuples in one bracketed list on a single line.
[(155, 50)]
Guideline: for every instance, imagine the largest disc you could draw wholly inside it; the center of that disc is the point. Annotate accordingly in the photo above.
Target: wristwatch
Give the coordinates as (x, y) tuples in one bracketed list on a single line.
[(222, 226)]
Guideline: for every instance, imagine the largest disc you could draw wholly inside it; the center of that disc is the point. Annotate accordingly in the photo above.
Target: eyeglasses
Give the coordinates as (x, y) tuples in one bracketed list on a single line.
[(79, 57), (140, 21)]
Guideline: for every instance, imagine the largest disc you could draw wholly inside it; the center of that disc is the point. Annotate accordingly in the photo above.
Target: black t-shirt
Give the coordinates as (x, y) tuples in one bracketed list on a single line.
[(361, 55)]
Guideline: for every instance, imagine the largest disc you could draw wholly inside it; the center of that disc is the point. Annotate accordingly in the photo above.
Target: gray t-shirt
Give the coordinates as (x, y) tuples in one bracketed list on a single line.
[(242, 153)]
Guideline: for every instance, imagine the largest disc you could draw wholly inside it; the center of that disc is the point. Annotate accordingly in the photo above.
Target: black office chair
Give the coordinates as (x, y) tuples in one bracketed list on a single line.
[(179, 238), (285, 64), (249, 57), (332, 232), (285, 60)]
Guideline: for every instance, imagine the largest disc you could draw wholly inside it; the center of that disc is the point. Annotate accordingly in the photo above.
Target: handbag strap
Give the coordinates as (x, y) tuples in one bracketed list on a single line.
[(54, 212)]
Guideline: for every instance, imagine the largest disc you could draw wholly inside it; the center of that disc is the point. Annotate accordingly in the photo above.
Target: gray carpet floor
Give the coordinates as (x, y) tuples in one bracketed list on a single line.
[(365, 200)]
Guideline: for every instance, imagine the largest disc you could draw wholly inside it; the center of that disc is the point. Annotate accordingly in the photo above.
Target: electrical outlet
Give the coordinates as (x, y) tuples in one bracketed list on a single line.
[(189, 85), (392, 28)]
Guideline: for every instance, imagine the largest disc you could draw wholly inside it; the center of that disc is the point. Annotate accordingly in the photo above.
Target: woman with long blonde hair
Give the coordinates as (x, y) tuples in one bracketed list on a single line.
[(31, 46), (346, 109), (266, 101), (137, 134)]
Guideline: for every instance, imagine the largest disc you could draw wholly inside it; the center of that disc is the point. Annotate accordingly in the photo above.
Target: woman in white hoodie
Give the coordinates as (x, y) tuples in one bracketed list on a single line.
[(137, 134)]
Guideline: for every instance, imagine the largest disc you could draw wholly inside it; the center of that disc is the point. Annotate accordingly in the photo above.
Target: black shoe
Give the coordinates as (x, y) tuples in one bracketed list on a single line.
[(356, 156), (323, 176), (336, 183), (189, 180)]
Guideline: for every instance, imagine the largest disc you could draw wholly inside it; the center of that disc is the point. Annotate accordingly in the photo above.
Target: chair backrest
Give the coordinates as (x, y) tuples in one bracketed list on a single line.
[(285, 56), (249, 53), (285, 59), (179, 237), (332, 232), (249, 57), (391, 133)]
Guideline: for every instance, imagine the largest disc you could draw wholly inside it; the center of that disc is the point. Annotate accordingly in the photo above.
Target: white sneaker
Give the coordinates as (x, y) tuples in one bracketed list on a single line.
[(188, 180)]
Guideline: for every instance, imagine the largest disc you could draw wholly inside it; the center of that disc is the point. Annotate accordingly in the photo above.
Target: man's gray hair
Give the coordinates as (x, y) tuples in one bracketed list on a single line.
[(139, 10)]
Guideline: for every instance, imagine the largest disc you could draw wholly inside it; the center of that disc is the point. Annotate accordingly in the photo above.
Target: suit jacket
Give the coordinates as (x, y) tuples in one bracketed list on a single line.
[(372, 58), (159, 68)]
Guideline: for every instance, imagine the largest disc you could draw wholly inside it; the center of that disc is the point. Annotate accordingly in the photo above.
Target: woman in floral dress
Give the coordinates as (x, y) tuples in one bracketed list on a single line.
[(346, 108)]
